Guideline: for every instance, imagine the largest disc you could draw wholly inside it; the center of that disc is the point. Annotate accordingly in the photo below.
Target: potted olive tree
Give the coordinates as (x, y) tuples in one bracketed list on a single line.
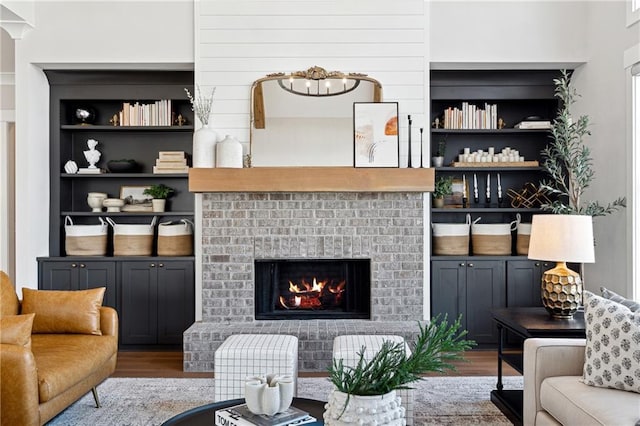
[(373, 382), (442, 187), (159, 194)]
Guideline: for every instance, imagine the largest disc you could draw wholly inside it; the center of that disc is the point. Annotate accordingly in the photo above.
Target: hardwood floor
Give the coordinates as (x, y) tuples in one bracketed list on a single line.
[(169, 364)]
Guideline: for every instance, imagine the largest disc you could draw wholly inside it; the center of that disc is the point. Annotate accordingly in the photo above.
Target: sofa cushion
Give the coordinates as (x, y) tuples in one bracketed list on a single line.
[(64, 311), (612, 352), (16, 329), (66, 359), (574, 403), (612, 295), (9, 303)]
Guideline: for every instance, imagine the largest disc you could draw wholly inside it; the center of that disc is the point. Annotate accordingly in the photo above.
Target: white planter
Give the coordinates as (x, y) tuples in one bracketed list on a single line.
[(345, 410), (268, 395), (158, 204), (204, 147)]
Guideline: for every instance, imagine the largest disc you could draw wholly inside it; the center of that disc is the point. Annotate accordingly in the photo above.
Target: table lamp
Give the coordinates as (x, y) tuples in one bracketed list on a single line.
[(561, 239)]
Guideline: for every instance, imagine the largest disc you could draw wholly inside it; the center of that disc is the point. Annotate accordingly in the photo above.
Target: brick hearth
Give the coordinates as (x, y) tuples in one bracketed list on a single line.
[(237, 228)]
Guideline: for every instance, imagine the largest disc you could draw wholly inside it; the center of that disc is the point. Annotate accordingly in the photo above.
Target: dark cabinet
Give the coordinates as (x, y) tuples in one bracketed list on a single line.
[(523, 282), (79, 274), (157, 301), (471, 288)]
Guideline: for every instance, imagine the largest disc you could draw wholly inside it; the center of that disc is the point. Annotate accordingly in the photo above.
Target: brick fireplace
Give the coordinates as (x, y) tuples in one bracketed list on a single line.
[(386, 228)]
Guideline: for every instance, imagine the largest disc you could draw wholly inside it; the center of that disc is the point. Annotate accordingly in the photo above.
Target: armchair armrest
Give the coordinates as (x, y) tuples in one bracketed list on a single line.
[(548, 358), (108, 321), (19, 399)]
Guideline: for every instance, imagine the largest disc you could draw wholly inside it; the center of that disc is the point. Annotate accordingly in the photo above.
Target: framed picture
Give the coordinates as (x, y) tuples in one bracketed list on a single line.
[(134, 199), (375, 134), (455, 199)]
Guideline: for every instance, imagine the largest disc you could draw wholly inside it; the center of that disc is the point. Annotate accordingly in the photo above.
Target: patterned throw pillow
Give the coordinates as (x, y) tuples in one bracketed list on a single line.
[(611, 295), (612, 353)]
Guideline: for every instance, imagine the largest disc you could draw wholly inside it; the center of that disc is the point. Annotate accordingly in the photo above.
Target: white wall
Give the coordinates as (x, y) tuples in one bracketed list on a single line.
[(73, 34)]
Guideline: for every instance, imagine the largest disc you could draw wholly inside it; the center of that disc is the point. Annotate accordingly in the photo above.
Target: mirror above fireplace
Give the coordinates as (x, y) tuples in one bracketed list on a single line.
[(305, 118)]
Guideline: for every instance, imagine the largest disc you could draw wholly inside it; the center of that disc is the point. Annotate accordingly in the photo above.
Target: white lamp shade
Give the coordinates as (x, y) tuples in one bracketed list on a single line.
[(562, 238)]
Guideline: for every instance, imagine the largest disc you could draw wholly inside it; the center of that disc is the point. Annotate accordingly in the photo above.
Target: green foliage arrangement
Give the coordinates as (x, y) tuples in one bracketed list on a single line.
[(568, 161), (437, 345), (160, 191), (442, 146), (443, 186)]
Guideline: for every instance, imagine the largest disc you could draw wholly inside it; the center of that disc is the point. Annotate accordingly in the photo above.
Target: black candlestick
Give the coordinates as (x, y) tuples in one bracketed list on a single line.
[(421, 130), (409, 161)]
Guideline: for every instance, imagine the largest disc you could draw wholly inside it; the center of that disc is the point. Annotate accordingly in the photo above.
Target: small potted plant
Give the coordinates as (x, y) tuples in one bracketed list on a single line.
[(371, 382), (159, 194), (438, 159), (442, 187)]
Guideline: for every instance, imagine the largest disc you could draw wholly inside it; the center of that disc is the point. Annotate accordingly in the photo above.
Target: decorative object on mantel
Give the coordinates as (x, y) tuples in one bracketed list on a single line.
[(373, 382), (409, 142), (376, 140), (268, 395), (205, 138), (229, 153), (93, 156), (71, 167)]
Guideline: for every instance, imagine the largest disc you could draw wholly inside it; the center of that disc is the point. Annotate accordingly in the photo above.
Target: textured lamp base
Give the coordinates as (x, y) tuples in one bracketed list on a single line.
[(561, 291)]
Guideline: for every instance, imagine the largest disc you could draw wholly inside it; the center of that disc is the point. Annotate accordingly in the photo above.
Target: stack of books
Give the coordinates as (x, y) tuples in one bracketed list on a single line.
[(171, 162), (533, 124), (239, 415)]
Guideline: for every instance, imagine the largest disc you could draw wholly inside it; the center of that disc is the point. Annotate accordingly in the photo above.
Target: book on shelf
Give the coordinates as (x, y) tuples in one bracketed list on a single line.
[(89, 171), (239, 415), (171, 155), (542, 124), (169, 164), (169, 170)]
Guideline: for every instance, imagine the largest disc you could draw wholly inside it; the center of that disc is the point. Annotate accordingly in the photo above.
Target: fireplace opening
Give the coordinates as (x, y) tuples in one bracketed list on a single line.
[(312, 289)]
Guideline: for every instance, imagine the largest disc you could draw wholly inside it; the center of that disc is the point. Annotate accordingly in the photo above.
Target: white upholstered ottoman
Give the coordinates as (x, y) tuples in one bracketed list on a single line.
[(347, 348), (244, 355)]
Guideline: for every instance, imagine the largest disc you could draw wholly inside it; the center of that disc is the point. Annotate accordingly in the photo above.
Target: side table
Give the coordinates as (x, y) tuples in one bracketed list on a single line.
[(526, 323)]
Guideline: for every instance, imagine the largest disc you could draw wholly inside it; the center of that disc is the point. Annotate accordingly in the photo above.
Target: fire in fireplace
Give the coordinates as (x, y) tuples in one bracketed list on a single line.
[(312, 289)]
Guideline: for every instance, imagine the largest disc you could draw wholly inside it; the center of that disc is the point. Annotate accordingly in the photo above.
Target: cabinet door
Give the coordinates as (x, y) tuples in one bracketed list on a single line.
[(485, 290), (176, 300), (523, 282), (448, 279), (99, 274), (139, 313), (58, 275)]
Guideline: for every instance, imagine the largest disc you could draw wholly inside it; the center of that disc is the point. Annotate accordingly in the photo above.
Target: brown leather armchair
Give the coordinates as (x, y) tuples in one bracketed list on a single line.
[(40, 381)]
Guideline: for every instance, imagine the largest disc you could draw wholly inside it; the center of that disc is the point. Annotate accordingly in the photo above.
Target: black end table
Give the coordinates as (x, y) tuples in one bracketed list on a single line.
[(205, 414), (526, 323)]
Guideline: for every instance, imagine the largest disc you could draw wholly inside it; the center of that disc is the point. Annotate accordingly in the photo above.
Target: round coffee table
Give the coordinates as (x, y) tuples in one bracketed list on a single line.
[(205, 414)]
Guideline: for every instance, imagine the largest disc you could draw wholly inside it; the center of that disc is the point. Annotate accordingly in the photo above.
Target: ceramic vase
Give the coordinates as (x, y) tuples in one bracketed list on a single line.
[(229, 153), (437, 161), (158, 204), (345, 410), (204, 147), (268, 395)]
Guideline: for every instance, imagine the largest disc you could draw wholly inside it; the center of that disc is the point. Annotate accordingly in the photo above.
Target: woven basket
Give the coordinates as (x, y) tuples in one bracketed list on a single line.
[(85, 240), (132, 240), (492, 239), (522, 238), (451, 239), (175, 239)]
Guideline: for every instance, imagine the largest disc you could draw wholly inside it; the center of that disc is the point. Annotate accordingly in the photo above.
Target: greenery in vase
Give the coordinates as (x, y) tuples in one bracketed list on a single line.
[(201, 104), (442, 146), (160, 191), (391, 368), (568, 161), (443, 186)]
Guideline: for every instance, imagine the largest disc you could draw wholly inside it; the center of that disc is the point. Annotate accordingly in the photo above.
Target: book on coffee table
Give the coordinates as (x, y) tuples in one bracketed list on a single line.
[(239, 415)]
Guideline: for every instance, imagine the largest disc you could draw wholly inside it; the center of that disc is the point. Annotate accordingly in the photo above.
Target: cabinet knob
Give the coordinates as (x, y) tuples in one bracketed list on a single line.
[(153, 265), (462, 264), (74, 265), (537, 264), (160, 265), (471, 265), (82, 265)]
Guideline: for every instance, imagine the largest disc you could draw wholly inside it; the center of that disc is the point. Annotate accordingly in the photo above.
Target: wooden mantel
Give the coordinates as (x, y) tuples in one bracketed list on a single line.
[(311, 179)]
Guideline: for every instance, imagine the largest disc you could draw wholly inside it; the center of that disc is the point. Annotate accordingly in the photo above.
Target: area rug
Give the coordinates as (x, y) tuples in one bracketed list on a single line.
[(145, 402)]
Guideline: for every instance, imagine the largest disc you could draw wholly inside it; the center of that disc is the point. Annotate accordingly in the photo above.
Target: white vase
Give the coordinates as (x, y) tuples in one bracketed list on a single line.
[(345, 410), (158, 204), (204, 147), (268, 395), (229, 153)]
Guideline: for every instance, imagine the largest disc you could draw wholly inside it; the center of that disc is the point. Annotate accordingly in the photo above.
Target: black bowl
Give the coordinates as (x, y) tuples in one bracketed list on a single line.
[(122, 166)]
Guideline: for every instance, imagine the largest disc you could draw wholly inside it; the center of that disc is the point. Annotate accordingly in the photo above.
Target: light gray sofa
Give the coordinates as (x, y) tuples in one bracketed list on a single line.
[(553, 393)]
